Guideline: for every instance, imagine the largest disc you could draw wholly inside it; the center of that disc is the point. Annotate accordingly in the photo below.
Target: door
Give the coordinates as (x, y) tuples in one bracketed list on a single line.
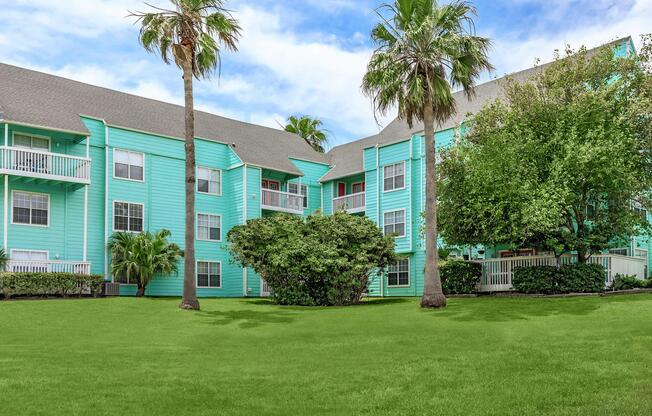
[(37, 161), (264, 289), (272, 199), (357, 188), (341, 189)]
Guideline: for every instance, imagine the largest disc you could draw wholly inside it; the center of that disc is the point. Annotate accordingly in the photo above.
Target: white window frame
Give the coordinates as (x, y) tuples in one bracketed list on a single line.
[(219, 171), (13, 250), (38, 136), (405, 221), (219, 267), (115, 201), (409, 283), (402, 162), (197, 227), (128, 179), (13, 193), (611, 251), (300, 187)]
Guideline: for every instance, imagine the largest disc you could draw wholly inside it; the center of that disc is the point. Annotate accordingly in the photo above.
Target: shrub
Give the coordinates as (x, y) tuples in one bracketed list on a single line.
[(320, 260), (627, 282), (576, 278), (43, 284), (460, 277)]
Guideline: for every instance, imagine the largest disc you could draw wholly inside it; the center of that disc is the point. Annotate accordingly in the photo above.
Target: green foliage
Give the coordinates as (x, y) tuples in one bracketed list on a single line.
[(310, 129), (460, 277), (3, 259), (142, 256), (576, 278), (626, 282), (443, 253), (559, 163), (43, 284), (320, 260)]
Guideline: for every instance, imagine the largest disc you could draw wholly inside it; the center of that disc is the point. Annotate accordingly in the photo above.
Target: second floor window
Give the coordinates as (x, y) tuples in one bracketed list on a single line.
[(394, 176), (209, 181), (127, 217), (128, 165), (25, 141), (394, 223), (209, 227), (293, 188), (30, 208)]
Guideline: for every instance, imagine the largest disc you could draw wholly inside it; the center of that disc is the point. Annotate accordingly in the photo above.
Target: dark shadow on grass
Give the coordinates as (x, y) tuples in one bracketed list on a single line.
[(248, 318), (365, 302)]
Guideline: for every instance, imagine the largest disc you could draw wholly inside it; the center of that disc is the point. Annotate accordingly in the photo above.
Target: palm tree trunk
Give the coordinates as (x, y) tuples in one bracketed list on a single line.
[(189, 300), (433, 296)]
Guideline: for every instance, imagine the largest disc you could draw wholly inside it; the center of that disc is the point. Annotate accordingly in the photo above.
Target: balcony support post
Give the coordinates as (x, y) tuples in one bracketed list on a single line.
[(6, 200), (88, 150)]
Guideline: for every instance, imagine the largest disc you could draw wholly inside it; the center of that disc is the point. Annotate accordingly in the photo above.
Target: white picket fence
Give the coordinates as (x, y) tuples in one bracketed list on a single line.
[(497, 273), (43, 266)]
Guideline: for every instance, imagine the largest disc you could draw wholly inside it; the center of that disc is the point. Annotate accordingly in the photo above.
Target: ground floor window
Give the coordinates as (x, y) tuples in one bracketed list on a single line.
[(209, 274), (125, 279), (399, 273), (28, 261)]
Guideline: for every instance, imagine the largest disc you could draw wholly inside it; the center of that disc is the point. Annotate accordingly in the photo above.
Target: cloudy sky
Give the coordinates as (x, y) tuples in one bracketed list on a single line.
[(296, 56)]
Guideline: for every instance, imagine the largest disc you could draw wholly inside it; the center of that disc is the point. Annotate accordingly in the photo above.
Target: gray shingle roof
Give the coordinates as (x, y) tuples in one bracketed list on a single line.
[(348, 158), (39, 99)]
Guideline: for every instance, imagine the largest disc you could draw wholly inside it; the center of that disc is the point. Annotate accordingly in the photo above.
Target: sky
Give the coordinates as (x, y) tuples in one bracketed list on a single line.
[(295, 56)]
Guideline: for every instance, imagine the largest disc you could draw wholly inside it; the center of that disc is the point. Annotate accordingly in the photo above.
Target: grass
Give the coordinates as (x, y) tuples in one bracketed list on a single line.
[(483, 356)]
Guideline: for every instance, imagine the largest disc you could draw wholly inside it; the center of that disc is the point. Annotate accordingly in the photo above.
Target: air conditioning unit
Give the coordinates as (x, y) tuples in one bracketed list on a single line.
[(110, 289)]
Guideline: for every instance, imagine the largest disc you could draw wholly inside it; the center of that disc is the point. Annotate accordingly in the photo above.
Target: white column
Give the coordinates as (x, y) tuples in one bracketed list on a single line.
[(5, 213), (244, 221), (106, 199), (88, 140)]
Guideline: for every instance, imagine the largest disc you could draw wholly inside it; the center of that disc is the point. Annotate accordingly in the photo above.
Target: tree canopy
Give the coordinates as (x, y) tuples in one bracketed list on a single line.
[(309, 129), (562, 162)]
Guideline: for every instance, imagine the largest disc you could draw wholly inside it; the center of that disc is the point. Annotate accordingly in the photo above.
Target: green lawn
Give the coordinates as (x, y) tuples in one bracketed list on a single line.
[(484, 356)]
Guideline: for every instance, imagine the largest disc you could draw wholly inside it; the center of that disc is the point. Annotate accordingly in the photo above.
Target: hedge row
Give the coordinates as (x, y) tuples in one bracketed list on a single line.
[(43, 284), (576, 278), (459, 276), (625, 282)]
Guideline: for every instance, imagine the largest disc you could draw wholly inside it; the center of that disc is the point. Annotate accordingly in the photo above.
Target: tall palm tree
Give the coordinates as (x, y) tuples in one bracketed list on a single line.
[(142, 256), (310, 129), (424, 50), (192, 33)]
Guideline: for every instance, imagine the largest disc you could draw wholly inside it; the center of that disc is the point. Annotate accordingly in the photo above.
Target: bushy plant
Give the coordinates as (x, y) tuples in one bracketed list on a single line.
[(320, 260), (43, 284), (627, 282), (576, 278), (459, 277)]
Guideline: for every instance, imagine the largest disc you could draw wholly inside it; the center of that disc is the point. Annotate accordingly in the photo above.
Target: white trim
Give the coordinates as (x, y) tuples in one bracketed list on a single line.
[(6, 134), (40, 127), (244, 221), (382, 283), (209, 278), (106, 200), (85, 237), (409, 275), (37, 136), (115, 201), (5, 212), (268, 181), (260, 193), (129, 170), (309, 161), (404, 176), (197, 214), (300, 185), (209, 186), (404, 223), (391, 143), (410, 193), (30, 209), (11, 252), (321, 188)]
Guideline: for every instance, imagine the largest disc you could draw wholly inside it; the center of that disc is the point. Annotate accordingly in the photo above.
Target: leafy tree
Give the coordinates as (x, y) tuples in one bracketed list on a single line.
[(561, 163), (320, 260), (192, 33), (310, 129), (424, 50), (142, 256)]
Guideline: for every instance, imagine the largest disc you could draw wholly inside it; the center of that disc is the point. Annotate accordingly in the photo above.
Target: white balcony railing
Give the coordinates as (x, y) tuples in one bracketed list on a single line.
[(42, 266), (350, 203), (497, 273), (44, 165), (281, 201)]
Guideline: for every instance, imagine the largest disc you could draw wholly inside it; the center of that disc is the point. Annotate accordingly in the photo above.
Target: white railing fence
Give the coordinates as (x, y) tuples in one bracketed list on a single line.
[(43, 266), (497, 273), (44, 164), (351, 203), (282, 201)]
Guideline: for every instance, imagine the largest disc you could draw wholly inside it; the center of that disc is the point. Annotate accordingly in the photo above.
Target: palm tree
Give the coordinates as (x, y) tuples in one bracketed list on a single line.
[(142, 256), (424, 50), (310, 129), (192, 33)]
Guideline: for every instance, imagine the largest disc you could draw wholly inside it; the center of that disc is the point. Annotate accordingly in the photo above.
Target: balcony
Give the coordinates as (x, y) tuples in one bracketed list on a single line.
[(44, 165), (281, 201), (352, 203), (42, 266)]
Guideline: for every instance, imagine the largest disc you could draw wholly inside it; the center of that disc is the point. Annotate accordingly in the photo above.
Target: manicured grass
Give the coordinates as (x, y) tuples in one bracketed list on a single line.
[(484, 356)]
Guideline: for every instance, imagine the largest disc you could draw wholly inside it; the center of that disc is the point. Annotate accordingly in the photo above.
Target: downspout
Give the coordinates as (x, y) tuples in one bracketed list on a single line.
[(6, 195), (410, 194), (382, 281), (244, 221), (84, 256), (106, 199)]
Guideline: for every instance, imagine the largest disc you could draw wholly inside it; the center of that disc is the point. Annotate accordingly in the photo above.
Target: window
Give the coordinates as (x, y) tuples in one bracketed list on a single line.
[(127, 217), (399, 273), (619, 251), (638, 209), (394, 176), (27, 261), (26, 141), (209, 227), (128, 165), (394, 223), (125, 279), (293, 188), (209, 274), (357, 188), (209, 181), (30, 208)]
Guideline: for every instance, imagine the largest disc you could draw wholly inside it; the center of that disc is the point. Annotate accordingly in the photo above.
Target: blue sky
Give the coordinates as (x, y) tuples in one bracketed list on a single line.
[(296, 56)]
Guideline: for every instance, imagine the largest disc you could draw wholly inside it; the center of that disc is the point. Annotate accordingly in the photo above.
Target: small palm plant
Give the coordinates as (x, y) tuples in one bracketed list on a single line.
[(143, 256), (310, 129), (4, 259)]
